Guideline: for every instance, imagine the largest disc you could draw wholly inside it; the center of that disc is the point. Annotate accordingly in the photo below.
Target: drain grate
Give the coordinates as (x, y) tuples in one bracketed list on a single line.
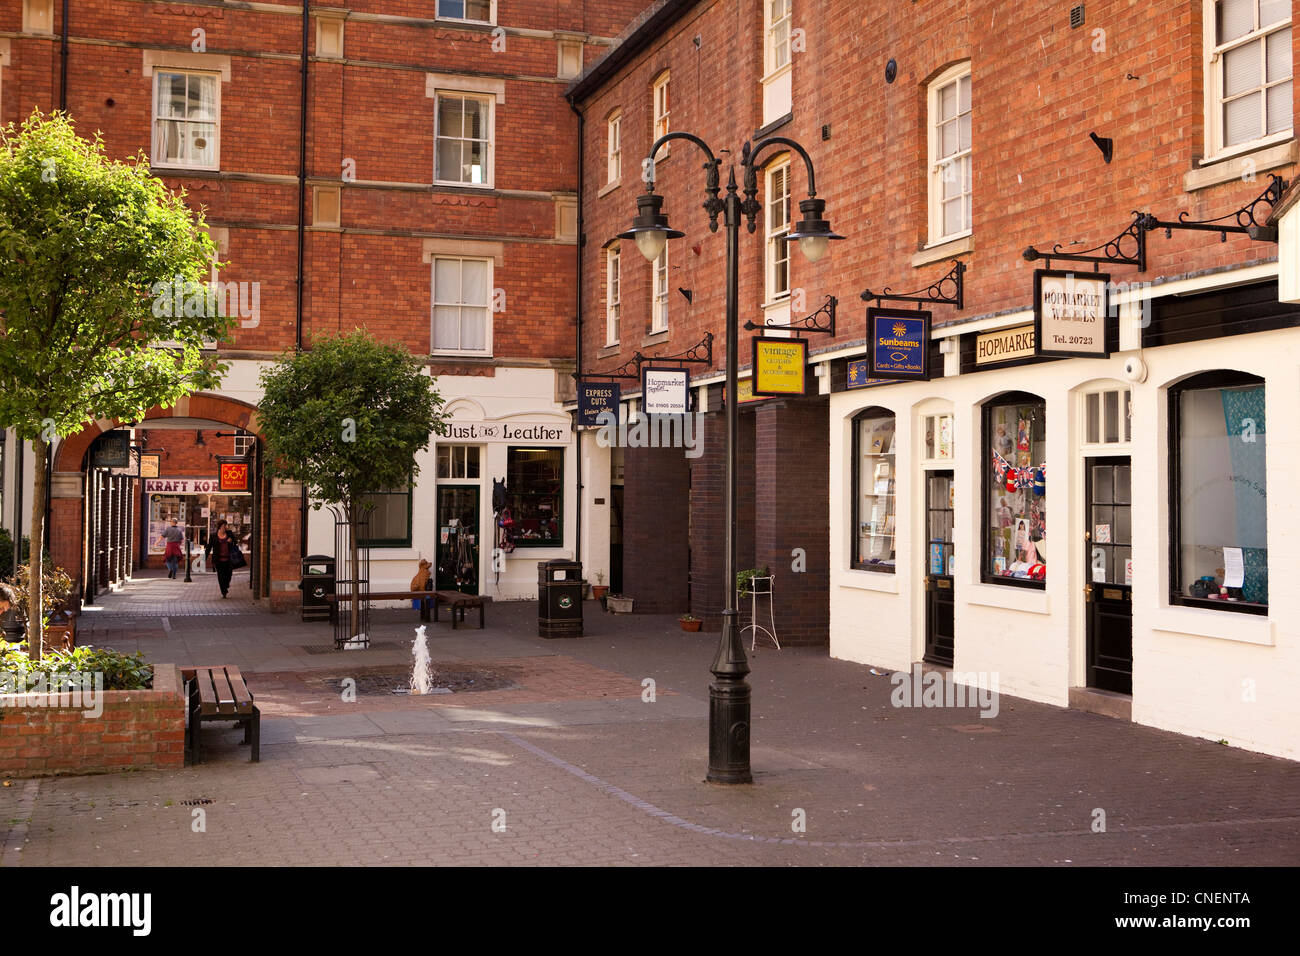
[(374, 646), (196, 802), (448, 677)]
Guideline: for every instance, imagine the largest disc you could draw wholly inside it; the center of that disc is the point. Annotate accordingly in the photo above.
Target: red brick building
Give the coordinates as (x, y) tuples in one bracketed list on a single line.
[(404, 167), (964, 133)]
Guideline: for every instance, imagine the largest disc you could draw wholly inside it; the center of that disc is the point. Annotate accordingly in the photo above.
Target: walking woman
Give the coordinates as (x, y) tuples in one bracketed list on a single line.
[(224, 553), (172, 537)]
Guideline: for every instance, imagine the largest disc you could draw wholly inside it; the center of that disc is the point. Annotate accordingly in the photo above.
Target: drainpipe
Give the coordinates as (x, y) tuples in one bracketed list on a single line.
[(582, 242), (20, 446), (302, 228), (63, 59)]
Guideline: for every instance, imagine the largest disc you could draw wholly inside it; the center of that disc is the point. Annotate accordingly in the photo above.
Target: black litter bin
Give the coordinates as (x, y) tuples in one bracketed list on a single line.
[(317, 585), (559, 598)]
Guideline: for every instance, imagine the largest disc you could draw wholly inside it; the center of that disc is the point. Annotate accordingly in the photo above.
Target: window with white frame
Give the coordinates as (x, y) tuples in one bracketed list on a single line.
[(777, 202), (661, 110), (1108, 417), (463, 135), (778, 34), (462, 312), (614, 148), (1248, 72), (613, 293), (659, 317), (187, 119), (950, 155), (474, 11)]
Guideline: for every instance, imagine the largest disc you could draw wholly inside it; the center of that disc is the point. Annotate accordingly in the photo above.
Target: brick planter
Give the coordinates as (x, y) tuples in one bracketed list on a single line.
[(138, 729)]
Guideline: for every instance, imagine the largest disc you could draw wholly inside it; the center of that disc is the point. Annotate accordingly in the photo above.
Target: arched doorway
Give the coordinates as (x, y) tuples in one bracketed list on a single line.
[(103, 518)]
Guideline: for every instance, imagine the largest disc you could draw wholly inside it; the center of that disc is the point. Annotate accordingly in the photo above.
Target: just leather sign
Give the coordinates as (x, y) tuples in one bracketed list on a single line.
[(552, 432)]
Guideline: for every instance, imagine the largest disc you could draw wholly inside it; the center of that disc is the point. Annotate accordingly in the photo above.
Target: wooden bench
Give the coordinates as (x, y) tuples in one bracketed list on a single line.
[(426, 599), (219, 693), (458, 602)]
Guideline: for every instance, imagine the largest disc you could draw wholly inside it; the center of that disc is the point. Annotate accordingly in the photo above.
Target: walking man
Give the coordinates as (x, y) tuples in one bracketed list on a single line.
[(173, 536)]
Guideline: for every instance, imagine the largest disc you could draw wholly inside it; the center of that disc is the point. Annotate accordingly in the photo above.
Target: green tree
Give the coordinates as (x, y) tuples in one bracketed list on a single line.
[(347, 419), (91, 250)]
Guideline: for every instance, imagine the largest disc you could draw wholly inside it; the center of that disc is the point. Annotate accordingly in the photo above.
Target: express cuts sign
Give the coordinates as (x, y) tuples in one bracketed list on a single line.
[(596, 399)]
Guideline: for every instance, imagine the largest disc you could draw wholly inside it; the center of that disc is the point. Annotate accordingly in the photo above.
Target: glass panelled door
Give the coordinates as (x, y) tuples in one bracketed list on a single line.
[(939, 567), (458, 549), (1109, 593)]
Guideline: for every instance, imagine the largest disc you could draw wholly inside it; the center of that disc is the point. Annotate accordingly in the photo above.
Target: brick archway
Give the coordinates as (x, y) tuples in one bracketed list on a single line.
[(71, 455), (281, 516)]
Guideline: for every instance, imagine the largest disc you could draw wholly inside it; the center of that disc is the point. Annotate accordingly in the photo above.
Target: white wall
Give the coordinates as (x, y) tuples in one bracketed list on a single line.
[(8, 480), (1192, 666)]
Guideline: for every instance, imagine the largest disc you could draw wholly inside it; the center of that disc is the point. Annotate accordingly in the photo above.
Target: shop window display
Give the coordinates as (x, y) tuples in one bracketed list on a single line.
[(875, 516), (1015, 482), (534, 483), (1218, 487)]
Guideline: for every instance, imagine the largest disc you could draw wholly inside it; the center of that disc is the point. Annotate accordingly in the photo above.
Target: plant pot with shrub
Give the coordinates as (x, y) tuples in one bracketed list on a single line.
[(690, 622)]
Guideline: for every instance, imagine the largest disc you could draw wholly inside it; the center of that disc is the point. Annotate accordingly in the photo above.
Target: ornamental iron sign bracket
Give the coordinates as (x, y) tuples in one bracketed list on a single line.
[(1245, 222), (808, 323), (945, 291), (701, 353), (633, 364), (1129, 248)]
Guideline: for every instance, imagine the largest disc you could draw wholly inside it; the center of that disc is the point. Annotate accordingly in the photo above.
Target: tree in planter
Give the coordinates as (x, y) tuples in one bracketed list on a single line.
[(92, 253), (346, 419)]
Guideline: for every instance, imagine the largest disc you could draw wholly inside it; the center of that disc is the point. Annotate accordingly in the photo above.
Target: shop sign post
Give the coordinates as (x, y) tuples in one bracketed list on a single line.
[(898, 344), (780, 366), (596, 399), (1070, 311)]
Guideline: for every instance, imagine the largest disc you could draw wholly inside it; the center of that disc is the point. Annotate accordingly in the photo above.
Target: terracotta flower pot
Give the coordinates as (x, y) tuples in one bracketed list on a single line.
[(690, 625), (598, 591)]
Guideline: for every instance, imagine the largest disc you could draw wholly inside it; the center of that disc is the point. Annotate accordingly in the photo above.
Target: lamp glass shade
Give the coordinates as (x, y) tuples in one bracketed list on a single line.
[(651, 242), (814, 247)]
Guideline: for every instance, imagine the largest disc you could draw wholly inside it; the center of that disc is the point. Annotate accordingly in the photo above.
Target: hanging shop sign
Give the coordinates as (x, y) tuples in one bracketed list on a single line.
[(232, 474), (898, 344), (182, 486), (1070, 312), (150, 465), (112, 450), (665, 391), (780, 366), (1004, 345), (744, 392), (596, 399)]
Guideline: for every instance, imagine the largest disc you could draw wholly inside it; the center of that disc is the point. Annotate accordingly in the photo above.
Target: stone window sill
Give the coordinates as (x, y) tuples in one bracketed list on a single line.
[(655, 338), (869, 580), (608, 188), (1007, 597), (944, 250), (1241, 165), (1223, 625)]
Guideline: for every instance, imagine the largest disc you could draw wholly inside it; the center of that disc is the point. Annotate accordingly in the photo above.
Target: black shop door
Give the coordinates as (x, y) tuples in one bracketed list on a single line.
[(458, 549), (1108, 593), (938, 568)]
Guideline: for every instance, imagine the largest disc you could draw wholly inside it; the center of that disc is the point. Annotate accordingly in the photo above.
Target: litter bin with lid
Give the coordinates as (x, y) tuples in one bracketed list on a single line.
[(317, 584), (559, 598)]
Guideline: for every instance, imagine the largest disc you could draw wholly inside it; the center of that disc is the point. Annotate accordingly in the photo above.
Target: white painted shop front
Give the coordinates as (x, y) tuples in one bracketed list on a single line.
[(1216, 659)]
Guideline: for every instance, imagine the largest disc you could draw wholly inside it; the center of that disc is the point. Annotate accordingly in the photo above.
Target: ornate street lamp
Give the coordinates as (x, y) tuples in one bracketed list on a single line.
[(729, 694)]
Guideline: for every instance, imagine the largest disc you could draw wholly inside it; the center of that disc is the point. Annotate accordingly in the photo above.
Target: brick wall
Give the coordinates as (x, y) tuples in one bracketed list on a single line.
[(655, 517), (1038, 179), (138, 729), (792, 510), (708, 512)]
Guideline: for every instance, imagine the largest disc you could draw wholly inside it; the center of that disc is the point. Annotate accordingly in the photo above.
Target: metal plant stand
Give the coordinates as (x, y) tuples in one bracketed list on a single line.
[(352, 583), (761, 586)]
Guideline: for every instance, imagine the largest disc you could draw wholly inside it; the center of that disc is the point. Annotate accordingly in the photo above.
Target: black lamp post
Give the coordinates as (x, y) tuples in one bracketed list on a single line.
[(729, 703)]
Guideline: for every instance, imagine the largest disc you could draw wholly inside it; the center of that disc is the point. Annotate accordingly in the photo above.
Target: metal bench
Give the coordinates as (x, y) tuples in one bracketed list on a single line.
[(458, 602), (219, 693)]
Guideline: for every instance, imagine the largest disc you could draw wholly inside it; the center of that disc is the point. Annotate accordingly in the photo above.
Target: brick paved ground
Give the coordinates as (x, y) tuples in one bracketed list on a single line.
[(583, 771)]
